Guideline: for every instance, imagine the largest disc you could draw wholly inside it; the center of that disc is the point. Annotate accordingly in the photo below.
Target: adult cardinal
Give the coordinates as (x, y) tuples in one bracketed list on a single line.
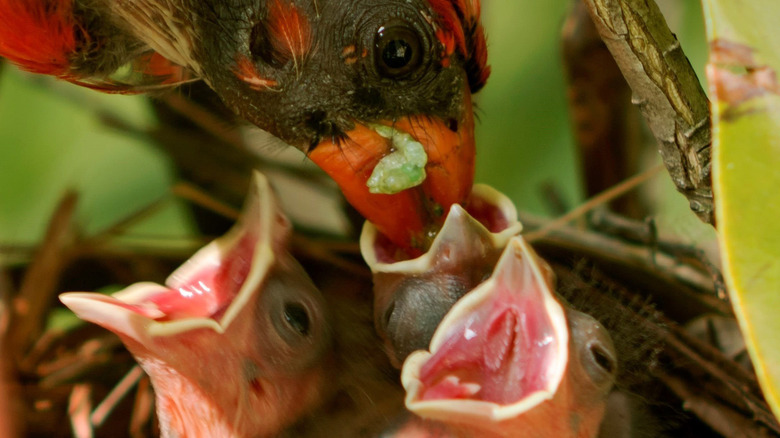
[(510, 361), (377, 92)]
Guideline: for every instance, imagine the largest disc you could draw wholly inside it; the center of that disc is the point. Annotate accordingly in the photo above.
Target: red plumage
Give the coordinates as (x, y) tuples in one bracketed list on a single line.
[(450, 22), (38, 35), (246, 71), (155, 65), (459, 22), (289, 29), (478, 61)]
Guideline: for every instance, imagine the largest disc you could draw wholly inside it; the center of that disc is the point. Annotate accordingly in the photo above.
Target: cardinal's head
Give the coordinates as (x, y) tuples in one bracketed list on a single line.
[(237, 342), (377, 92)]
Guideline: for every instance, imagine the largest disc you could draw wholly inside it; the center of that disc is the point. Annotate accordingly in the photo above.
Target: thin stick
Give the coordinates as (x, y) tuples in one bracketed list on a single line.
[(600, 199), (113, 398), (717, 415), (40, 280), (78, 410), (197, 196), (142, 408), (131, 219)]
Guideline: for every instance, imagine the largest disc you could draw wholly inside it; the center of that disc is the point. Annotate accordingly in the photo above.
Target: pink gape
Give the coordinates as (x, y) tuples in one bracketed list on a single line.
[(506, 362), (510, 347), (205, 292)]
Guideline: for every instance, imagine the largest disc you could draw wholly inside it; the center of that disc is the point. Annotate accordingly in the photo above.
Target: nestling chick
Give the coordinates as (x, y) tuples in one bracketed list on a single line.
[(412, 295), (510, 360), (238, 341)]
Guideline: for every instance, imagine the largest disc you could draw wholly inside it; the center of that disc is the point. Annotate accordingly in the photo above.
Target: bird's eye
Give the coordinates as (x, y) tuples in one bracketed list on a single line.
[(297, 318), (294, 308), (292, 319), (597, 354), (397, 51)]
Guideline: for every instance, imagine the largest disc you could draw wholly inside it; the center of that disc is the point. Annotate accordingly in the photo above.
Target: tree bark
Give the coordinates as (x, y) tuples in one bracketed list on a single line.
[(666, 90)]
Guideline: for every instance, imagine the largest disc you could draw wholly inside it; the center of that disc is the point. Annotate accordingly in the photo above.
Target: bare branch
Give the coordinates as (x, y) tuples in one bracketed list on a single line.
[(665, 88)]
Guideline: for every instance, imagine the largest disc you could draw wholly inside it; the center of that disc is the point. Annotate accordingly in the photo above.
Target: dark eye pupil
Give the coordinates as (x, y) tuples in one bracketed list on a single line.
[(397, 54), (602, 358), (295, 315), (398, 51)]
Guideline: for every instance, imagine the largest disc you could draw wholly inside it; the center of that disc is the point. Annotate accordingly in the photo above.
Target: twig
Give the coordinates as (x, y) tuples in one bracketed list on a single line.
[(637, 258), (226, 133), (103, 410), (312, 249), (733, 382), (92, 352), (717, 415), (600, 199), (8, 423), (142, 408), (131, 245), (204, 119), (201, 198), (646, 233), (666, 90), (39, 349), (129, 220), (78, 409), (40, 280), (301, 244)]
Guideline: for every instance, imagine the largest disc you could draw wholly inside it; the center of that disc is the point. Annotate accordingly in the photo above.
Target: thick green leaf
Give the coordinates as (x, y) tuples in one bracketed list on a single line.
[(745, 54)]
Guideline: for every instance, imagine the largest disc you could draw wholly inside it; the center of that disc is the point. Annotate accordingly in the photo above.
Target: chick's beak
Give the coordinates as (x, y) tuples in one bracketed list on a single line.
[(380, 172), (208, 291), (499, 353)]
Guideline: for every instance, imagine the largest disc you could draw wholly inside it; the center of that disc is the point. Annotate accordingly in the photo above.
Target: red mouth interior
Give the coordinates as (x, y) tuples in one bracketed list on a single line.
[(501, 353), (488, 214), (209, 291)]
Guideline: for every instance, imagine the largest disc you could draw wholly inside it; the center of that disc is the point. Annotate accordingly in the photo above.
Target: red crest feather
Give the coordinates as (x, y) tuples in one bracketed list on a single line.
[(247, 73), (460, 28), (38, 35), (450, 23), (289, 30)]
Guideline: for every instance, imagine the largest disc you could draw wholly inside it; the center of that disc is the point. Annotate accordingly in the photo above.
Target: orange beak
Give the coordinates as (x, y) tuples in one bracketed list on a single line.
[(411, 217)]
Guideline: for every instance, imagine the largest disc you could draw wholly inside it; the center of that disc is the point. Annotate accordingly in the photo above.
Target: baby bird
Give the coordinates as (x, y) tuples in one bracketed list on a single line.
[(509, 360), (237, 342)]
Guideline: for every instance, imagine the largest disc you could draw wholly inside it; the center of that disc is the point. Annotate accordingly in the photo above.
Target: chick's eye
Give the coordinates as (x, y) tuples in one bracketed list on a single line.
[(297, 318), (397, 51)]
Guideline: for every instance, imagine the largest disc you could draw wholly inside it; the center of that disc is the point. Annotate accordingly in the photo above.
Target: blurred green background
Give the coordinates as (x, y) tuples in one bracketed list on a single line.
[(50, 139)]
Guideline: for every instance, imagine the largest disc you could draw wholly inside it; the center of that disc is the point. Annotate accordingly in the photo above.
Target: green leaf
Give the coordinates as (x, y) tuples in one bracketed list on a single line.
[(744, 56)]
